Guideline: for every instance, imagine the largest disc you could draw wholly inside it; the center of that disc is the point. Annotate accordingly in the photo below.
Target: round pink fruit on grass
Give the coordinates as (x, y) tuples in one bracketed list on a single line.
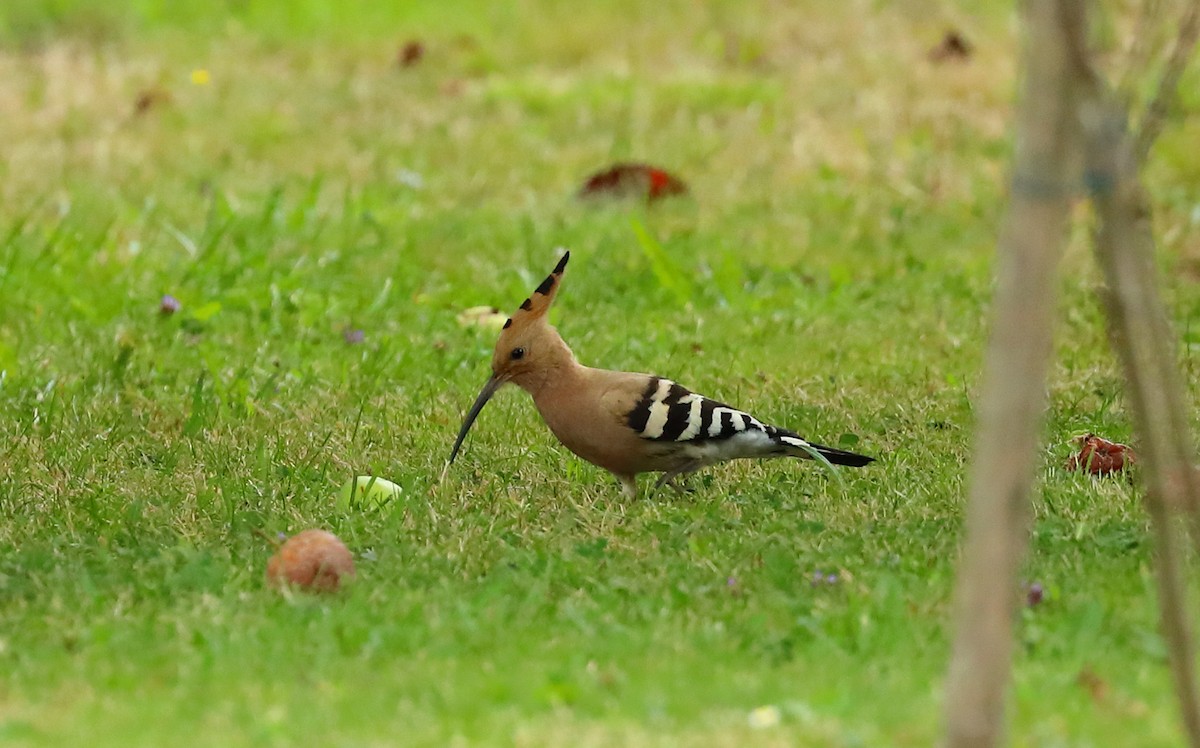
[(313, 560)]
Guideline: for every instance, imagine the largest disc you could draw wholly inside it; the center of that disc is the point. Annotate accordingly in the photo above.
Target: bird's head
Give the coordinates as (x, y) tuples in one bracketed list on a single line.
[(528, 351)]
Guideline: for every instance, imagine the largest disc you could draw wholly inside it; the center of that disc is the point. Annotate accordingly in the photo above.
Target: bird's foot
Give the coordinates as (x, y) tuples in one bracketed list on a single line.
[(682, 485)]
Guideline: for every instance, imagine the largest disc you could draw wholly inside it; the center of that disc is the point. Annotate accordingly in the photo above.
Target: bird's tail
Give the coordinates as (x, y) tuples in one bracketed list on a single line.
[(801, 448)]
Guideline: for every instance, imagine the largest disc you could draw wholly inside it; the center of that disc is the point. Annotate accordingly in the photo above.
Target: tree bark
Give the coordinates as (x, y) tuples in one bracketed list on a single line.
[(1142, 337), (1013, 393), (1068, 110)]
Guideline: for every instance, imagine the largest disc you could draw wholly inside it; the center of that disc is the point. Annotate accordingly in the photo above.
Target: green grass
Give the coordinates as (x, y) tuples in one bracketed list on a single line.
[(836, 250)]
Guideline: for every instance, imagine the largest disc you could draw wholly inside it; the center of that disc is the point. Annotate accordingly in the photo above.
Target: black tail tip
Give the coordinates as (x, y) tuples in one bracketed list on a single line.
[(562, 263), (853, 460), (842, 457)]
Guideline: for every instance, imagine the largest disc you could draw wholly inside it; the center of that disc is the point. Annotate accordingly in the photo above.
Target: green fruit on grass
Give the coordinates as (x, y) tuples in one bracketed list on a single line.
[(368, 491)]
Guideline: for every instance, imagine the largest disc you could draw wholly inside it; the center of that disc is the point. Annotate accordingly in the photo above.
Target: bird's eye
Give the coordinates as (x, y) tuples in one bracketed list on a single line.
[(517, 353)]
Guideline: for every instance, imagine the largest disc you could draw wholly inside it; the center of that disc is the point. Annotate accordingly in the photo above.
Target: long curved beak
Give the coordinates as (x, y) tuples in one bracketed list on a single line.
[(485, 394)]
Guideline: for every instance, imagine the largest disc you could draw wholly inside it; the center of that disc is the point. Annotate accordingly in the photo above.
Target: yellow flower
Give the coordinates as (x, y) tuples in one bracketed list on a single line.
[(200, 77), (764, 717)]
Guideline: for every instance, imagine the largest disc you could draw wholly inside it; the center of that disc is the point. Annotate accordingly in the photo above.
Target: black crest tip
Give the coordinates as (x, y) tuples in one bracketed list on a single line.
[(548, 284)]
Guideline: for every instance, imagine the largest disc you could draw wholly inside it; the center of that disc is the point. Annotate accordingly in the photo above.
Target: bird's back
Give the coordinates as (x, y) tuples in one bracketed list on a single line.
[(634, 423)]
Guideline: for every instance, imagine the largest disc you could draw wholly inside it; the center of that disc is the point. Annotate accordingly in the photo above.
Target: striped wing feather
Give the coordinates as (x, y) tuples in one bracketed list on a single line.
[(669, 412)]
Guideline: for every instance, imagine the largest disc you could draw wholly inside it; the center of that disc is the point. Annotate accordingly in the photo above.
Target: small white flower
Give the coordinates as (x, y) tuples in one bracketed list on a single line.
[(410, 179)]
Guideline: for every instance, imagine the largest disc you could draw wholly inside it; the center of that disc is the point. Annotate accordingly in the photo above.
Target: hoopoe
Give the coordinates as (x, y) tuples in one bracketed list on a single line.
[(624, 422)]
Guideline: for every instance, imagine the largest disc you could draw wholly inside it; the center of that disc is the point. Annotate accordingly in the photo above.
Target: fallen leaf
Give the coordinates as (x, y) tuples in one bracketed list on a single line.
[(1099, 456), (633, 179), (150, 98), (410, 54), (487, 317), (764, 717), (954, 47), (1096, 686)]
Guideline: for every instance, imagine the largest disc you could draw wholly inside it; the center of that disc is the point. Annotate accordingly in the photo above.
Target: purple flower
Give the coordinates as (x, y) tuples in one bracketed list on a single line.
[(821, 579), (1034, 594), (353, 336), (168, 305)]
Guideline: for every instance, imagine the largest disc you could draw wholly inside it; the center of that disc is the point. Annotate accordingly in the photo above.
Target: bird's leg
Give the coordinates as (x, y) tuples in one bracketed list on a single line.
[(628, 486), (680, 484), (668, 478)]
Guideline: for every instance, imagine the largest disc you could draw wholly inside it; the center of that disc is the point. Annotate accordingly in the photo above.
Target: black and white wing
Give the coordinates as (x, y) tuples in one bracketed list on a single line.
[(668, 412)]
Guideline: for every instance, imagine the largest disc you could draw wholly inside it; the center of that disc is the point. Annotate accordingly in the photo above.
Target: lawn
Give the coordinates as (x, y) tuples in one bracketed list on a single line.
[(276, 170)]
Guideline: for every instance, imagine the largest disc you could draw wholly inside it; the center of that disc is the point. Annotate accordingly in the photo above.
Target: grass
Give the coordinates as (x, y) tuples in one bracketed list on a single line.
[(835, 253)]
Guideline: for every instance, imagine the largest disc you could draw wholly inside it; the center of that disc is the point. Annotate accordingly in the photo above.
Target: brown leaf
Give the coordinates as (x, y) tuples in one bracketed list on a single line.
[(954, 47), (410, 54), (1099, 456), (1096, 686), (636, 179), (149, 99)]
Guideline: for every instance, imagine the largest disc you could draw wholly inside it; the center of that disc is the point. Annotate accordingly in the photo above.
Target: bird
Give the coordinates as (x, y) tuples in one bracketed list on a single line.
[(625, 422)]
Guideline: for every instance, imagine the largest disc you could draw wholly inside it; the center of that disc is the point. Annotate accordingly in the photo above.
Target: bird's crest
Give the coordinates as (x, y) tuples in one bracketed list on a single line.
[(535, 306)]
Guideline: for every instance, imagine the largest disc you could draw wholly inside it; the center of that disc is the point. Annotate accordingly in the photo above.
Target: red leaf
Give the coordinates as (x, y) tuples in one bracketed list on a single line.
[(1099, 456), (635, 179)]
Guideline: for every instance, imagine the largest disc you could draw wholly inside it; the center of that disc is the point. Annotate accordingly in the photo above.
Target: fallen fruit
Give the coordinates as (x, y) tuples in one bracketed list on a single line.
[(368, 490), (1099, 456), (313, 560)]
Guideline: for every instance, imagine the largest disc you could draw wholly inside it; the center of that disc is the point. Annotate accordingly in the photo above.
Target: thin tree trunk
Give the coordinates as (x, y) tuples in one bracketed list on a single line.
[(1140, 334), (1164, 97), (1065, 105), (1012, 397), (1142, 337)]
